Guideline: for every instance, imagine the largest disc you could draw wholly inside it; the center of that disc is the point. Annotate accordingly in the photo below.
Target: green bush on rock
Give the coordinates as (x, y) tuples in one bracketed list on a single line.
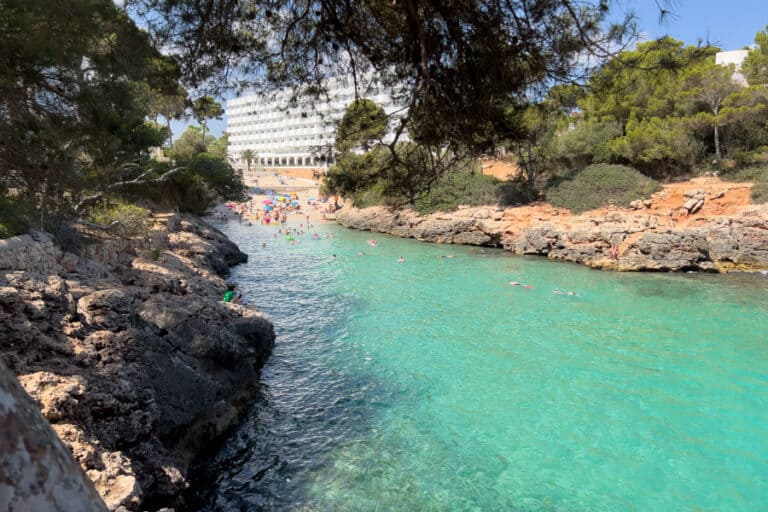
[(469, 188), (600, 185), (13, 218), (756, 174), (122, 219), (760, 192)]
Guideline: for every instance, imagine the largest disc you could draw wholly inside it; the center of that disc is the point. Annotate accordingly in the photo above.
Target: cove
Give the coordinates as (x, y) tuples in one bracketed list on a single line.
[(435, 385)]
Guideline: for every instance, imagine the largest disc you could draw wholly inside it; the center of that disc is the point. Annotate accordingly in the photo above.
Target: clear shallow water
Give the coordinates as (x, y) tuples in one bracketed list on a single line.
[(434, 385)]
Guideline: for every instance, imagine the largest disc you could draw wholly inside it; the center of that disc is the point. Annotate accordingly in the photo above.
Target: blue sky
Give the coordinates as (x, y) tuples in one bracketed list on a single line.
[(731, 24)]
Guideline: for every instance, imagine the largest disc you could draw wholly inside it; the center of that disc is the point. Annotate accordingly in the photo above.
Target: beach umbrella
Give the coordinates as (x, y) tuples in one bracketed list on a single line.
[(270, 192), (267, 201), (310, 199), (267, 208), (294, 203), (281, 199)]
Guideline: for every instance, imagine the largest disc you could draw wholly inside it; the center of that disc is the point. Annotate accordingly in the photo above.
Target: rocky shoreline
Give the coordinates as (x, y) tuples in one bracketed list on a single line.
[(129, 354), (703, 232)]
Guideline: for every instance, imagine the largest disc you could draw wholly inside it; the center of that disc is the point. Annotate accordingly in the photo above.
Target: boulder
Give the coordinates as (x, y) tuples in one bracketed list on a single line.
[(107, 309)]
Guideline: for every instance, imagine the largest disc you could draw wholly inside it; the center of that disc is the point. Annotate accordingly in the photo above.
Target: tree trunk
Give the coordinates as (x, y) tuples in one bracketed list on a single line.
[(170, 133), (718, 155), (204, 148)]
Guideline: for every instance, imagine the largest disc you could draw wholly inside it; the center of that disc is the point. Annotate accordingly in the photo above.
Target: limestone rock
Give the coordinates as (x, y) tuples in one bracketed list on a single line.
[(106, 309), (36, 471), (57, 395), (472, 238), (650, 241), (135, 360)]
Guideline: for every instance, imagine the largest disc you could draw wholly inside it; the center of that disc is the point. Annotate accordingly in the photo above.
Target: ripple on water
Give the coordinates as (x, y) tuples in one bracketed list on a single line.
[(434, 385)]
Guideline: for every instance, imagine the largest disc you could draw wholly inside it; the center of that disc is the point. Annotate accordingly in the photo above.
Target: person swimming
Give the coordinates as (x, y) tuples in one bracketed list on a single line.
[(401, 260), (373, 242), (562, 292), (517, 283)]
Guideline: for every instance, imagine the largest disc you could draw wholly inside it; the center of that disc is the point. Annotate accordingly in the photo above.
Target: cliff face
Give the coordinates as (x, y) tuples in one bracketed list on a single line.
[(129, 352), (705, 226)]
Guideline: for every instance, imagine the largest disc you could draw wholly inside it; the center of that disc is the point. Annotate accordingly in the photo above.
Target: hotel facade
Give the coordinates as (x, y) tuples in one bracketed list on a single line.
[(296, 134)]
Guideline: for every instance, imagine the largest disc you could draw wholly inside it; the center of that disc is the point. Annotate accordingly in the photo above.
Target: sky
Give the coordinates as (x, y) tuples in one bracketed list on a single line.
[(730, 24)]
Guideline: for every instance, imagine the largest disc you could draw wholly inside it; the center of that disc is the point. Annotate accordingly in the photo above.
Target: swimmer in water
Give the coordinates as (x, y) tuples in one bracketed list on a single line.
[(561, 292), (517, 283), (401, 260)]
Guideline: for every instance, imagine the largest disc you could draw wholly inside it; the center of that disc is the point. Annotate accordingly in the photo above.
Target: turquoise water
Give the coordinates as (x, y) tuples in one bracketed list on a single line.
[(435, 385)]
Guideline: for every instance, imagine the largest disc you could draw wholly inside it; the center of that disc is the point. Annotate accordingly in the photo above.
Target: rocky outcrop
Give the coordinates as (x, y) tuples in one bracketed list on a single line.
[(636, 238), (32, 252), (131, 356), (37, 471)]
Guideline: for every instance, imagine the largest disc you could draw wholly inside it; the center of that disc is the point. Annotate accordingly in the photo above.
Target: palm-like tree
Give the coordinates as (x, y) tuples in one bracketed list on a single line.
[(248, 156)]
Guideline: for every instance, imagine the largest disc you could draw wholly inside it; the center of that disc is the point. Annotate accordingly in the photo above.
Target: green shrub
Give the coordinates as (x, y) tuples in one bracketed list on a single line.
[(743, 174), (588, 142), (121, 219), (453, 189), (13, 217), (205, 179), (599, 185), (760, 192), (660, 148), (219, 176)]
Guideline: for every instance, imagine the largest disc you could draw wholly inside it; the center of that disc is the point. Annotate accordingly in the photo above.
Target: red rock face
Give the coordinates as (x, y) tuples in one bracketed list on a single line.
[(703, 224)]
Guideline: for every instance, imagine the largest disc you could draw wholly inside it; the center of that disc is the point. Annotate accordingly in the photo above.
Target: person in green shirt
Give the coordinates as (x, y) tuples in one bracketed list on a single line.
[(232, 295)]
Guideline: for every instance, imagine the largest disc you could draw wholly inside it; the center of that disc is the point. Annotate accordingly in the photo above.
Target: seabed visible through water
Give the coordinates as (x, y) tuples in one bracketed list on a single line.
[(435, 385)]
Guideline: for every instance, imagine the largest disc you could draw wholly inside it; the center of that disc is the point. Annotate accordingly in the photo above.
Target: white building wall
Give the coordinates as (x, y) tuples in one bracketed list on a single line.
[(735, 58), (281, 134)]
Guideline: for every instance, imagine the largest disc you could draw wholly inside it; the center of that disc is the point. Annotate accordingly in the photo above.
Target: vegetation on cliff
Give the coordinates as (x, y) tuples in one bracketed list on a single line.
[(662, 110), (600, 184)]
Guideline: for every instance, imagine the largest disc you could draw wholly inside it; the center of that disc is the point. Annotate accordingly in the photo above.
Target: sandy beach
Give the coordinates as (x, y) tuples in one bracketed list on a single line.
[(260, 183)]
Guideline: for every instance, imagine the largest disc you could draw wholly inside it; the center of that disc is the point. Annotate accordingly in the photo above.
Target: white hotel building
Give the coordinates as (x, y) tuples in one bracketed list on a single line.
[(301, 134)]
